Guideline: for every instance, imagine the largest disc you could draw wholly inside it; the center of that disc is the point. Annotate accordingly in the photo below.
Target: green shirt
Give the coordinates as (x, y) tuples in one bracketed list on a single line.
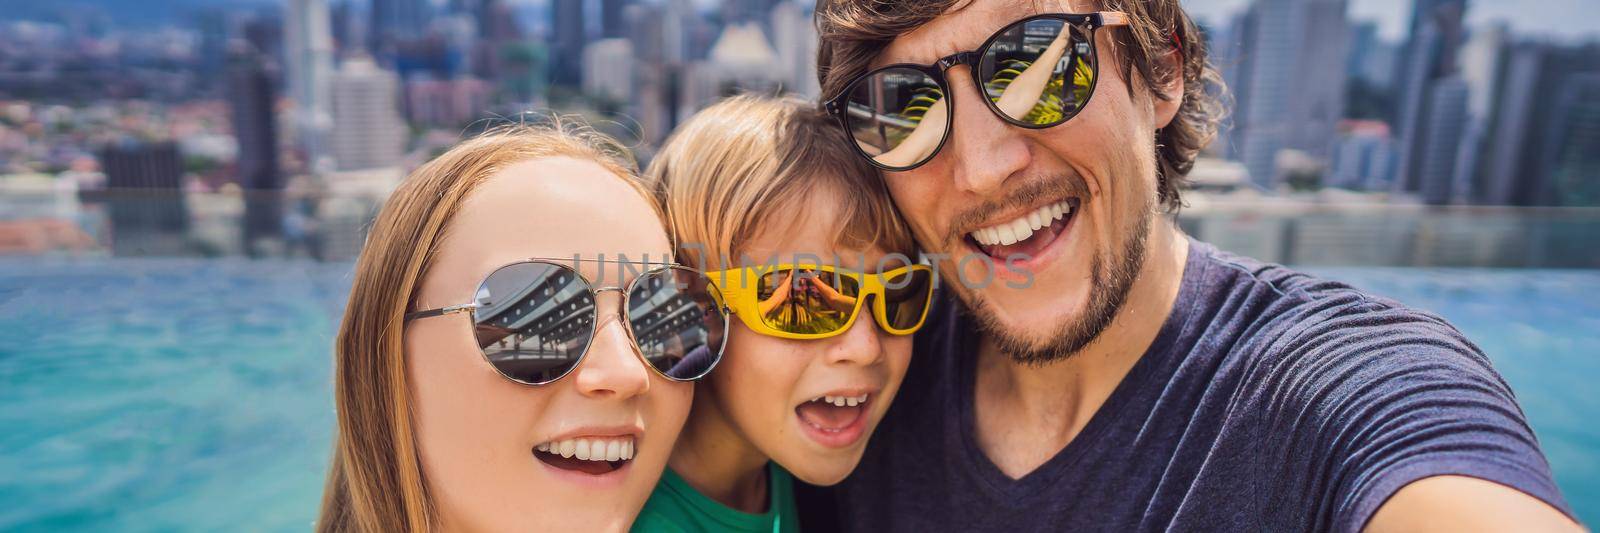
[(677, 507)]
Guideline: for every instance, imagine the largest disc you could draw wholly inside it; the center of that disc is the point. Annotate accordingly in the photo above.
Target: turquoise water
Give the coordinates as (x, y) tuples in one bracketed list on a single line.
[(194, 394)]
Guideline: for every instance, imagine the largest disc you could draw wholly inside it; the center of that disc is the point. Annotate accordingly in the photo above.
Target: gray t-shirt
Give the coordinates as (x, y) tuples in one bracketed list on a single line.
[(1269, 401)]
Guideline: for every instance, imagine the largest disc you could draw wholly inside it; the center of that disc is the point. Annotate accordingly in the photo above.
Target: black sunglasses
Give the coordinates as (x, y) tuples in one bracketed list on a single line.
[(534, 320), (1035, 73)]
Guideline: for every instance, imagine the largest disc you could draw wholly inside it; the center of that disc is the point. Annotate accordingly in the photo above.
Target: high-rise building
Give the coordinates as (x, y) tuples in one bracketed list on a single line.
[(653, 75), (1574, 152), (740, 61), (394, 21), (1292, 101), (252, 95), (608, 70), (1435, 165), (146, 205), (1430, 55), (1530, 119), (794, 38), (614, 18), (497, 31), (347, 28), (1364, 157), (1482, 64), (742, 11), (1230, 57), (1372, 59), (368, 131), (567, 42), (450, 103), (310, 65)]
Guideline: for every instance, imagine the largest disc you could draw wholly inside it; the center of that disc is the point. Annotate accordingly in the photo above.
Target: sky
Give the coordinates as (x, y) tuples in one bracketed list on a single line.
[(1565, 19)]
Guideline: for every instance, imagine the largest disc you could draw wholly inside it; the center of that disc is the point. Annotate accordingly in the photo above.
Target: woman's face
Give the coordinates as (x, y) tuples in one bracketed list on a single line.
[(478, 431), (769, 388)]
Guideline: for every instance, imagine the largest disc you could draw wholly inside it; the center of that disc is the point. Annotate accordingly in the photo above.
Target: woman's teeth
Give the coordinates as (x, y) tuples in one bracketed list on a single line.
[(842, 401), (1019, 230), (616, 449)]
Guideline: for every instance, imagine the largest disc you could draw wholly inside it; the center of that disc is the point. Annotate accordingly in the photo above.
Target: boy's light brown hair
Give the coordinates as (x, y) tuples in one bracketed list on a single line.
[(731, 171)]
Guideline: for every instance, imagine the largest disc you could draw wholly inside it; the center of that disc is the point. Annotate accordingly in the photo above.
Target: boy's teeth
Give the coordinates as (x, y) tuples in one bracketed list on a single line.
[(591, 449), (842, 401), (1015, 231)]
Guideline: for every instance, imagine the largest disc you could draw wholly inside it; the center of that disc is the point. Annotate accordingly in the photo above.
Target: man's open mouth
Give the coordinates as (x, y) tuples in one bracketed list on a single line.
[(1026, 235), (594, 455), (832, 414)]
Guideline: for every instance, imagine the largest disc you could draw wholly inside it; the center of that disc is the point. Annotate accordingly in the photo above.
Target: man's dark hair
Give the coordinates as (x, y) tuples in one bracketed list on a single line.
[(851, 33)]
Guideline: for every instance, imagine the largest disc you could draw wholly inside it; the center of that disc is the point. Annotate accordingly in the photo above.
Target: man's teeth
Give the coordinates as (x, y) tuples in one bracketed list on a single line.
[(594, 449), (1019, 230), (842, 401)]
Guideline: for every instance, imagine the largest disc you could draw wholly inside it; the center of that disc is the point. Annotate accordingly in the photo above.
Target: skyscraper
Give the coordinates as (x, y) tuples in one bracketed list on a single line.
[(449, 103), (147, 209), (1430, 55), (1482, 63), (1435, 165), (1293, 101), (567, 42), (608, 70), (613, 18), (1532, 120), (497, 31), (1574, 151), (252, 96), (396, 20), (795, 40), (740, 11), (368, 132), (740, 61), (310, 62), (1372, 60)]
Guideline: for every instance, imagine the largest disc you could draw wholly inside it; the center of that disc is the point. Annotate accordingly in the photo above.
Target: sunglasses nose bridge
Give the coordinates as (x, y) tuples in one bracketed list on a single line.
[(968, 58)]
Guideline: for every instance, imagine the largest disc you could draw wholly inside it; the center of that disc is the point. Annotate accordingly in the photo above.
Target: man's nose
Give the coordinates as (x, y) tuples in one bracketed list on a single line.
[(984, 150)]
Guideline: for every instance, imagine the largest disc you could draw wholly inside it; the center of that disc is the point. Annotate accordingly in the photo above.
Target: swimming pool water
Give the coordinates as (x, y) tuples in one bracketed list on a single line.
[(189, 394)]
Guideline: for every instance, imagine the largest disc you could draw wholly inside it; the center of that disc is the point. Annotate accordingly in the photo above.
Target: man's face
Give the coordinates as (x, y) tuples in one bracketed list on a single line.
[(989, 174)]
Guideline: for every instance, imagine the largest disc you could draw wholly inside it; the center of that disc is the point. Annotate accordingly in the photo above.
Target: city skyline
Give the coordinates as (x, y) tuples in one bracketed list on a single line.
[(1442, 115), (1561, 19)]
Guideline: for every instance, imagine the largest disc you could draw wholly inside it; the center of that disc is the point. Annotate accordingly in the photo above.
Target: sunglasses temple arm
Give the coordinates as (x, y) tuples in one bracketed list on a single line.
[(1113, 18), (448, 310)]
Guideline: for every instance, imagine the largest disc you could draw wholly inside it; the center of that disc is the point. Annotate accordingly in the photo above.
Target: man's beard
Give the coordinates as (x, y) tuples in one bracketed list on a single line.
[(1108, 290)]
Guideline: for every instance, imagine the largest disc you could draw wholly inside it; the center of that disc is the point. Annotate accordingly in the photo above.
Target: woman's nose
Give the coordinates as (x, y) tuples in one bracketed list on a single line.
[(611, 368)]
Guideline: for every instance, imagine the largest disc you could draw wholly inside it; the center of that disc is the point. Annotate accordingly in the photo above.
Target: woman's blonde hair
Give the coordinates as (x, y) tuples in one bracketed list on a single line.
[(723, 177), (375, 481)]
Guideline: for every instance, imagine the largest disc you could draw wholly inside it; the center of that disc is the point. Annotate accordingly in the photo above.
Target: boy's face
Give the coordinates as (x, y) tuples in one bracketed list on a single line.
[(767, 388)]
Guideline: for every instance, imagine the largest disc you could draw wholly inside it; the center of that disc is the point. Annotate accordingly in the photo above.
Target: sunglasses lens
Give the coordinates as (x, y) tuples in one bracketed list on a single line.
[(1038, 72), (806, 301), (897, 116), (678, 321), (906, 296), (534, 320)]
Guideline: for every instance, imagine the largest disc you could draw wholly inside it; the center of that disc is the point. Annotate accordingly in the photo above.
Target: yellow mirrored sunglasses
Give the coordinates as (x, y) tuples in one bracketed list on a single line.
[(806, 301)]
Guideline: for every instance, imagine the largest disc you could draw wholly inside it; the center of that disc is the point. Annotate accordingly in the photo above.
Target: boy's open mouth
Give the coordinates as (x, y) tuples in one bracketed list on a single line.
[(832, 414), (594, 455), (1027, 235)]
